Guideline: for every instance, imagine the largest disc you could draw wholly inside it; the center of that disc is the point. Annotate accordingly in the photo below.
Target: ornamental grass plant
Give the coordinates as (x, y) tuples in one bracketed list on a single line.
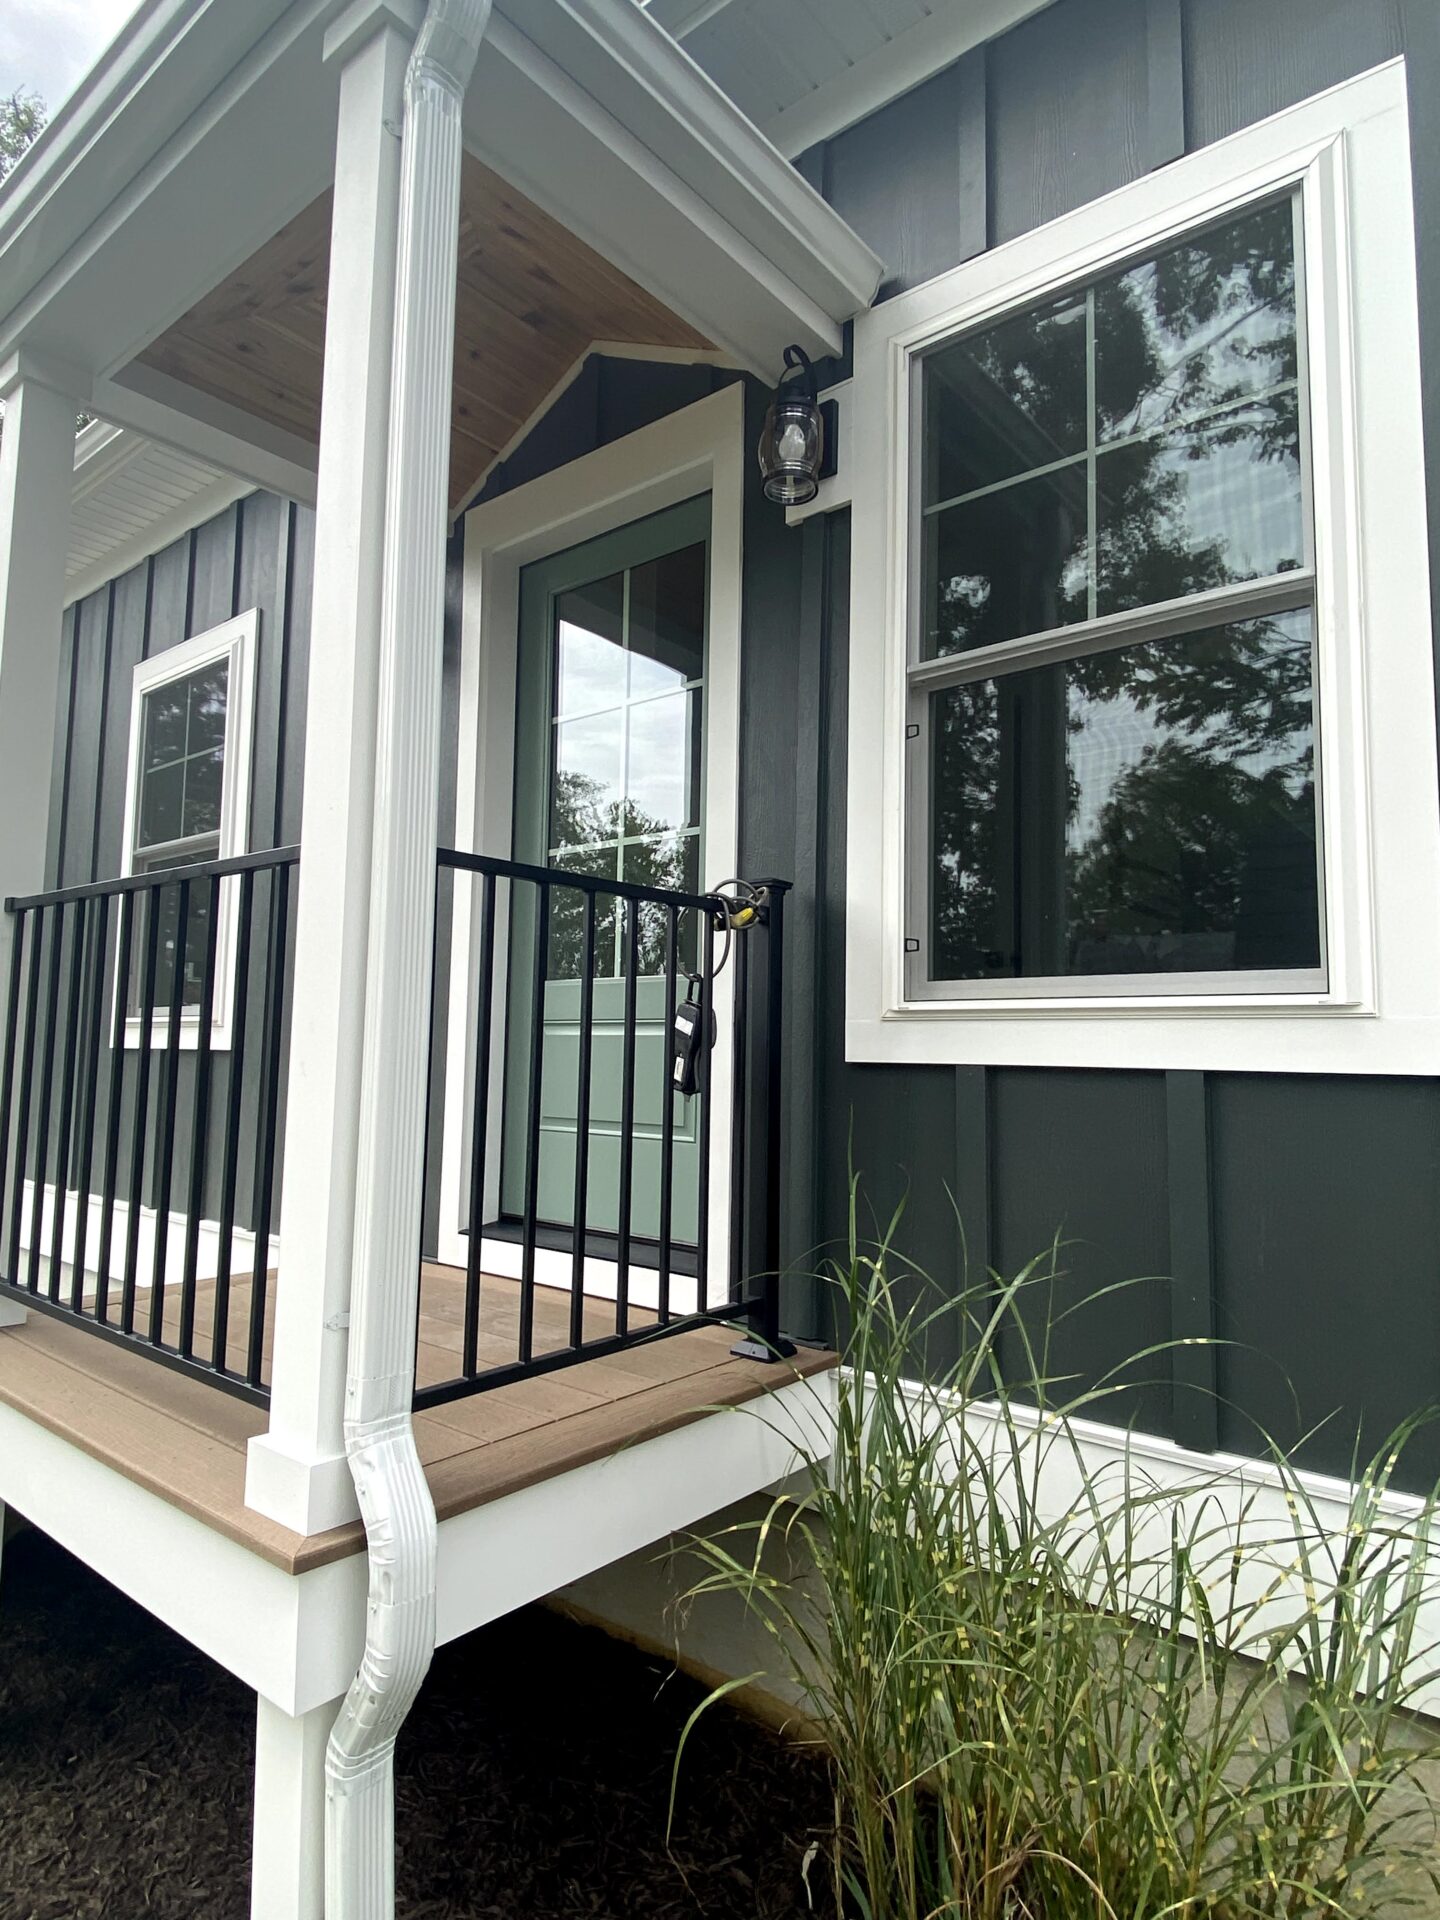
[(1049, 1691)]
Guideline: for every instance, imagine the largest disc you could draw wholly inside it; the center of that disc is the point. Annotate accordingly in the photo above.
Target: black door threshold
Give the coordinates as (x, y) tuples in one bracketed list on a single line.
[(598, 1246)]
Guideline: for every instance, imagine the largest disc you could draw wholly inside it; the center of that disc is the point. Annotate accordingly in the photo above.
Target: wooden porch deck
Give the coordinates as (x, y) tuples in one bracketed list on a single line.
[(185, 1440)]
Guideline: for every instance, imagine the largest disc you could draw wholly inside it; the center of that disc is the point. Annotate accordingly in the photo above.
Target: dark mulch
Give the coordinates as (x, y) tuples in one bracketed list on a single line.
[(534, 1775)]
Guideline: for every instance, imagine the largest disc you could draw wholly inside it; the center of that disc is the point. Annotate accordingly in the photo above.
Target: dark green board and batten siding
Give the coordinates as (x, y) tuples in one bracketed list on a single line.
[(1294, 1221), (258, 553)]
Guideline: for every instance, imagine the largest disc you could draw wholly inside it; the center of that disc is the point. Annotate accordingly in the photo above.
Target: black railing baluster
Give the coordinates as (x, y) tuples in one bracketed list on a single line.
[(627, 1121), (667, 1116), (18, 922), (269, 1116), (67, 1003), (230, 1165), (145, 1034), (69, 1070), (706, 1097), (200, 1126), (532, 1120), (169, 1099), (582, 1126), (115, 1115), (47, 1085), (739, 1136), (479, 1127), (27, 1083), (94, 1025)]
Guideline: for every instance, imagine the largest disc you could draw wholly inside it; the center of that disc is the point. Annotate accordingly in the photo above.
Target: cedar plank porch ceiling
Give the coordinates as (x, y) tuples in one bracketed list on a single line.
[(531, 299)]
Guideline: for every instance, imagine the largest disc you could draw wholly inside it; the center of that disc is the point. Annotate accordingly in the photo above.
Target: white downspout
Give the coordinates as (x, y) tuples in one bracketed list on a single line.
[(390, 1483)]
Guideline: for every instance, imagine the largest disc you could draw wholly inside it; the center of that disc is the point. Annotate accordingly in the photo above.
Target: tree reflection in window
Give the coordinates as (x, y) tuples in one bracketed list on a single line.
[(1147, 807)]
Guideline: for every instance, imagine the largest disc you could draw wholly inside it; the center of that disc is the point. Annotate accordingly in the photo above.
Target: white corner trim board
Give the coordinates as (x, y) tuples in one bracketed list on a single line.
[(1347, 152), (699, 449)]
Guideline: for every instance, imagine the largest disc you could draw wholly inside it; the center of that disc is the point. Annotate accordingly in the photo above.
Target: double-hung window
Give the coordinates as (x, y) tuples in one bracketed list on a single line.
[(1112, 692), (1142, 731), (187, 802)]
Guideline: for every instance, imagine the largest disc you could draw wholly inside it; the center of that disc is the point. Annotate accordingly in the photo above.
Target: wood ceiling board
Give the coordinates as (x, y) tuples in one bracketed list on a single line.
[(531, 299)]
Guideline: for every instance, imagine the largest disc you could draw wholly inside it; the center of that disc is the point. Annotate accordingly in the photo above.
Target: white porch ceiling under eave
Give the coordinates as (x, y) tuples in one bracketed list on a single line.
[(210, 125)]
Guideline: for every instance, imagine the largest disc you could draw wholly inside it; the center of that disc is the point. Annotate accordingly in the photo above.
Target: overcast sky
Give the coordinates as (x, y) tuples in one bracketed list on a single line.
[(47, 45)]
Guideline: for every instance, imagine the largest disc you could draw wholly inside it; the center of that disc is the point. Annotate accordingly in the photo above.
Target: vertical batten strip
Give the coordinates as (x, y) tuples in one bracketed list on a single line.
[(1194, 1393), (1164, 83)]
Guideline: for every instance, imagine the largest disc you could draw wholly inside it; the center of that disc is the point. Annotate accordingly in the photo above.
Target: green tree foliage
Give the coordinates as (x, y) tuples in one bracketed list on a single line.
[(22, 115)]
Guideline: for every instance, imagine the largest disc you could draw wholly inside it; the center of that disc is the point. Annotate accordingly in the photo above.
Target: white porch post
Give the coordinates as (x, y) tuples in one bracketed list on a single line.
[(37, 465), (297, 1472), (287, 1870)]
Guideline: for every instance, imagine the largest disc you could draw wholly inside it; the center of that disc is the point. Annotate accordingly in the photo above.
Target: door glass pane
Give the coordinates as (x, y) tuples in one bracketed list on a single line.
[(662, 784), (1144, 810), (1203, 325), (585, 801), (1005, 401), (674, 863), (567, 915), (590, 660), (667, 622)]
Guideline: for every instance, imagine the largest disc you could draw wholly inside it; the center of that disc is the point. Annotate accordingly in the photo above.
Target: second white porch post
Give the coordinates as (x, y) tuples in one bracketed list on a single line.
[(37, 467), (297, 1472)]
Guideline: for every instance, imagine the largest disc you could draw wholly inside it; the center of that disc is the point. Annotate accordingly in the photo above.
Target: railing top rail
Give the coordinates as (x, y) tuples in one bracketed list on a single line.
[(138, 882), (582, 882)]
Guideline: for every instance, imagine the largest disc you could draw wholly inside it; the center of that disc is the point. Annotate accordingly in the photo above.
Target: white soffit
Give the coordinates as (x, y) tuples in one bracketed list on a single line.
[(131, 498), (804, 69)]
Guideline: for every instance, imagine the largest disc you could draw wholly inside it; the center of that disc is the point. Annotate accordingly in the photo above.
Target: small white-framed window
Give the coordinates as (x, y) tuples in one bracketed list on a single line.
[(187, 803), (1142, 734)]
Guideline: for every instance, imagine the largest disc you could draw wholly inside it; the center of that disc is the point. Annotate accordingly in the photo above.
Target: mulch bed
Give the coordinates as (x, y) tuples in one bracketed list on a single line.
[(534, 1775)]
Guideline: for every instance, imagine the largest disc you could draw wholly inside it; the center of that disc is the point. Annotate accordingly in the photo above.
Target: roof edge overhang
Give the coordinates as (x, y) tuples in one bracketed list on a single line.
[(127, 209)]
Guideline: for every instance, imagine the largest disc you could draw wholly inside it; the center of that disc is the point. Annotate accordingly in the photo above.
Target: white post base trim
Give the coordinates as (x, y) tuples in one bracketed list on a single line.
[(12, 1314), (306, 1494), (287, 1880)]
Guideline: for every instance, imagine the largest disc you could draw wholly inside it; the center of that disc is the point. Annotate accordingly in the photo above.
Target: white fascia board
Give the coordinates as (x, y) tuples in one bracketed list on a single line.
[(634, 70), (535, 125), (902, 63), (168, 59), (149, 208)]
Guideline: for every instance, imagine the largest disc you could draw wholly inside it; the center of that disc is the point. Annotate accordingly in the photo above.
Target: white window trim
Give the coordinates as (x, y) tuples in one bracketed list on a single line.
[(698, 449), (236, 641), (1348, 151)]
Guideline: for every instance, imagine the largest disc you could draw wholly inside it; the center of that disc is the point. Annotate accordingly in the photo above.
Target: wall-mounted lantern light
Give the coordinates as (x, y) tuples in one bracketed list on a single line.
[(796, 451)]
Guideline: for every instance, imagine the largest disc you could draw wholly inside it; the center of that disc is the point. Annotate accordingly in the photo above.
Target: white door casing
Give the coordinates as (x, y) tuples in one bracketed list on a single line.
[(698, 449)]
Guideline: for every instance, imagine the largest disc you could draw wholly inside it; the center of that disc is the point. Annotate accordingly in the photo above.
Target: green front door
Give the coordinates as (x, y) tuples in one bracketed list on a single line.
[(610, 776)]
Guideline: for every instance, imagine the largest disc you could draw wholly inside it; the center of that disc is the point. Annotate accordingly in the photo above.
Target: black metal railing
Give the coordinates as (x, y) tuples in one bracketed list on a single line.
[(141, 1109), (543, 947)]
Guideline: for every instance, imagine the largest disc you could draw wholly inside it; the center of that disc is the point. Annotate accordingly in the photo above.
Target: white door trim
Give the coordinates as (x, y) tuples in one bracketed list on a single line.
[(699, 449)]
